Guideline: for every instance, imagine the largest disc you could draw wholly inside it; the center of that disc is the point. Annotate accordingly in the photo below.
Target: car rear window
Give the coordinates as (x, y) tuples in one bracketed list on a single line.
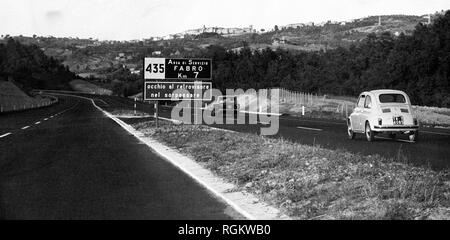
[(392, 98)]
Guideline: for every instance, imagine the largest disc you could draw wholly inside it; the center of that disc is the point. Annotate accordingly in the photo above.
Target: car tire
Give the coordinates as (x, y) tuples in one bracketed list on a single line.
[(414, 136), (369, 133), (350, 132)]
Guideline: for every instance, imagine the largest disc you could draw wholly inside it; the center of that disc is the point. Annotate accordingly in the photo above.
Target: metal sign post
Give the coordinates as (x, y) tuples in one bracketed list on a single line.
[(135, 99), (156, 112)]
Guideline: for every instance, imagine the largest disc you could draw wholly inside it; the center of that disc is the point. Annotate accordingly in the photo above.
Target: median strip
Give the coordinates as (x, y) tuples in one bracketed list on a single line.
[(310, 182)]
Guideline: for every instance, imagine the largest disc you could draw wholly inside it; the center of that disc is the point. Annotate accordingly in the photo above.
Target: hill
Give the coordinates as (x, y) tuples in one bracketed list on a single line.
[(90, 55), (31, 68)]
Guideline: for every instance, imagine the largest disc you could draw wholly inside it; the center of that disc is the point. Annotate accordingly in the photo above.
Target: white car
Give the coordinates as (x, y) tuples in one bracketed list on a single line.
[(383, 111)]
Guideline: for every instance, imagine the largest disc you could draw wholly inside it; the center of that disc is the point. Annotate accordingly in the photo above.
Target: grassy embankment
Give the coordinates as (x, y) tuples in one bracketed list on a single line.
[(310, 182), (13, 98), (87, 87)]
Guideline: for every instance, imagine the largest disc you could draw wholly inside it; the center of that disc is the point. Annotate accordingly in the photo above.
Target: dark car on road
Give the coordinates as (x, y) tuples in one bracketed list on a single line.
[(224, 105)]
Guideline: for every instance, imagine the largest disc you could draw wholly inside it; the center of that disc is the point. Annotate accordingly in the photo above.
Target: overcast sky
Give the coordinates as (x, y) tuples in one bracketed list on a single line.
[(137, 19)]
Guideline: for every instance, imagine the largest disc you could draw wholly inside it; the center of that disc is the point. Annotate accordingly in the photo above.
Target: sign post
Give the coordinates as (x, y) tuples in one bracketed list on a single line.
[(156, 113), (135, 99)]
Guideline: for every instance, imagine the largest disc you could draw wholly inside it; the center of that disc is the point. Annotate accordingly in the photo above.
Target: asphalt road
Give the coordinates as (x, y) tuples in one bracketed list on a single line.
[(432, 150), (69, 161)]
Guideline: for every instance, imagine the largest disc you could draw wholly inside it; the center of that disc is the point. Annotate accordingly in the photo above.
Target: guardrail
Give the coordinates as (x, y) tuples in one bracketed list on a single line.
[(12, 106)]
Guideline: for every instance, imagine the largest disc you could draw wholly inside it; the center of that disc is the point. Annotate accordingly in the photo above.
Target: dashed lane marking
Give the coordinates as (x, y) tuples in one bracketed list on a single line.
[(25, 127), (4, 135), (316, 121), (37, 123), (307, 128)]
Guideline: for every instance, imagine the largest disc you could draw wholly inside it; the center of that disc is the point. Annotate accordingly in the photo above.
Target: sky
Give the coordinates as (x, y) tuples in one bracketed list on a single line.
[(137, 19)]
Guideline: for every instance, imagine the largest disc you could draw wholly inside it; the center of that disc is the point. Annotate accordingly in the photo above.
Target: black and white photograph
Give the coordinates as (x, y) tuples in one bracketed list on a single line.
[(225, 110)]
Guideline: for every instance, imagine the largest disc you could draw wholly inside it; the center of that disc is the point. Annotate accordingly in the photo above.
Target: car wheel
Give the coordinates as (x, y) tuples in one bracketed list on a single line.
[(369, 133), (392, 135), (414, 136), (350, 133)]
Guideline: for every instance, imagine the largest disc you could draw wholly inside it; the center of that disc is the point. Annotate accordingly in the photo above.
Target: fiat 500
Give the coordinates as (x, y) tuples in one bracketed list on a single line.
[(383, 111)]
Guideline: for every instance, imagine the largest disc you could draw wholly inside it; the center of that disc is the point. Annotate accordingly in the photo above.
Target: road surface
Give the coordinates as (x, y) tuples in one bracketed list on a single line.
[(70, 161)]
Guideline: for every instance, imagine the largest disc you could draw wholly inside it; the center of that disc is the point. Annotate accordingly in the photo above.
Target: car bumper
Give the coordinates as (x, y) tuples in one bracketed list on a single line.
[(396, 128)]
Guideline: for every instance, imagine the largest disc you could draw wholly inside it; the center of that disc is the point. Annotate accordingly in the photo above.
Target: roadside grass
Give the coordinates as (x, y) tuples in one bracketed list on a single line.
[(128, 113), (310, 182), (87, 87)]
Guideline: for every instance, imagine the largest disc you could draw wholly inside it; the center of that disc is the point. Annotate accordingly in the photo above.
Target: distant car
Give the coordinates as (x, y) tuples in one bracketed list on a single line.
[(226, 103), (383, 111)]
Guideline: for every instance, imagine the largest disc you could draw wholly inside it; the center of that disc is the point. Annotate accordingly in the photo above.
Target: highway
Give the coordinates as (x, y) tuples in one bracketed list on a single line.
[(432, 150), (70, 161)]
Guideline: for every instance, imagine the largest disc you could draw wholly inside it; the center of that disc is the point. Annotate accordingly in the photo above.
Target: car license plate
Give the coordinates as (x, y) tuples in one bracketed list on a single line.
[(397, 120)]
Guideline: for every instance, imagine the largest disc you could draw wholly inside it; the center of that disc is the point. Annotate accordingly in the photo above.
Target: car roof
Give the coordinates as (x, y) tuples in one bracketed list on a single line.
[(383, 91), (377, 92)]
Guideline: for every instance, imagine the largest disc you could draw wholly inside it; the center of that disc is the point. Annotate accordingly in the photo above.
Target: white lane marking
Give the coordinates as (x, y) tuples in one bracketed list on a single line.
[(316, 121), (4, 135), (25, 127), (398, 140), (438, 133), (307, 128), (37, 123), (45, 119), (260, 113)]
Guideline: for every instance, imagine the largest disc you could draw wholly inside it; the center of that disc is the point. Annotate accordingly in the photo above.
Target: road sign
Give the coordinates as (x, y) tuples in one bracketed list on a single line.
[(167, 90), (178, 68)]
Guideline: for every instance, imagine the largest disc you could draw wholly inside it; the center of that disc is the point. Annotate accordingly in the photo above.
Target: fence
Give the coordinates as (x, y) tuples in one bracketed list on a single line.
[(310, 103), (300, 103)]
